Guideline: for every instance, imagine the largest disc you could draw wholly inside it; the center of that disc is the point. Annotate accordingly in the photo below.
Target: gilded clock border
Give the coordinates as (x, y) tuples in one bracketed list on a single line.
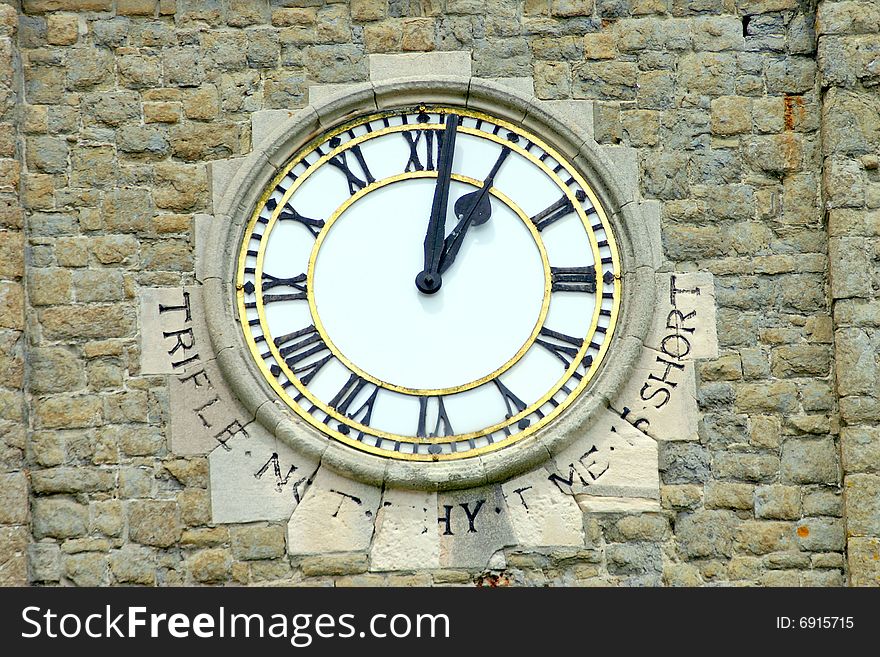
[(600, 213)]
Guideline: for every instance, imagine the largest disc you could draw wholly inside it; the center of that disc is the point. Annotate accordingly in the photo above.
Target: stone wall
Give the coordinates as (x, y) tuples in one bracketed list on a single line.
[(125, 102), (13, 481), (849, 66)]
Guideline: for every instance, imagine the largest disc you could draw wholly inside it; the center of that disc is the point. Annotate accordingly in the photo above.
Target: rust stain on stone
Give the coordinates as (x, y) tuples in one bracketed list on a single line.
[(793, 110), (492, 581), (803, 531)]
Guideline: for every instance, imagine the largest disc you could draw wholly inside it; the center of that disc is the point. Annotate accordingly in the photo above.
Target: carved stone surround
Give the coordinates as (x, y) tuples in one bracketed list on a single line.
[(601, 456)]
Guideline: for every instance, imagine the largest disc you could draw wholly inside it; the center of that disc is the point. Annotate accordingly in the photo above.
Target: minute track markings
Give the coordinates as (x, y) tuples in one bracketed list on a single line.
[(558, 277)]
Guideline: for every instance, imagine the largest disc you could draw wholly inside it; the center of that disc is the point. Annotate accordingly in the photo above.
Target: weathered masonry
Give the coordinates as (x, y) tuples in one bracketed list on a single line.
[(735, 435)]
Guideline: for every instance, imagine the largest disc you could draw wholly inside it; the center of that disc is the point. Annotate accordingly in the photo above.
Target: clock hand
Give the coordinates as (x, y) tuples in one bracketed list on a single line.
[(473, 208), (429, 280)]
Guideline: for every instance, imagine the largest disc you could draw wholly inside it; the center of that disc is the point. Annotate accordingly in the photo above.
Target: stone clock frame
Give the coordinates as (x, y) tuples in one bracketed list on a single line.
[(266, 464), (253, 176)]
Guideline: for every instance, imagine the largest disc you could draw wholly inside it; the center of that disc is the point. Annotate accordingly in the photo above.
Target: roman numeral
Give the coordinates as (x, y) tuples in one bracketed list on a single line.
[(346, 396), (433, 140), (355, 183), (563, 346), (513, 403), (556, 211), (443, 427), (298, 349), (573, 279), (290, 214), (296, 282)]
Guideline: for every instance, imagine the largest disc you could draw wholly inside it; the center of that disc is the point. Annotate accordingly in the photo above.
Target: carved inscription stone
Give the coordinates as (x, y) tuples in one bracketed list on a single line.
[(540, 513), (257, 477), (174, 341), (473, 524), (336, 515), (204, 412), (659, 397), (171, 332), (684, 324), (407, 536), (614, 459)]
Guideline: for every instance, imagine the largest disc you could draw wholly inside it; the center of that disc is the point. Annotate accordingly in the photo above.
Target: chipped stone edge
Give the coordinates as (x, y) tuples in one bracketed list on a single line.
[(257, 169)]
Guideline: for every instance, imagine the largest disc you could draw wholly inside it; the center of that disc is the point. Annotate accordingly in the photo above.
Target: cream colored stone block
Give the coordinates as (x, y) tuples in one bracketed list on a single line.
[(202, 227), (407, 536), (257, 477), (659, 397), (423, 64), (524, 86), (540, 513), (650, 211), (474, 524), (684, 322), (336, 515), (625, 166), (220, 175), (594, 504), (578, 113), (265, 122), (322, 93), (171, 330), (614, 459), (205, 413)]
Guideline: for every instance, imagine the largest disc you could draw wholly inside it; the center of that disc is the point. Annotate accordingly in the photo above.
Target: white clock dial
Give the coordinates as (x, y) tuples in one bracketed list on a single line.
[(428, 283)]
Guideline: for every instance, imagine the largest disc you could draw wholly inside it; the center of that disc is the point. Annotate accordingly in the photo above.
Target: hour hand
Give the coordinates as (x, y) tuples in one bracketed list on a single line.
[(474, 208)]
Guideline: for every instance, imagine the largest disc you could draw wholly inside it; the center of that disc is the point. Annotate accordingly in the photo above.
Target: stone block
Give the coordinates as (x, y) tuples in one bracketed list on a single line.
[(335, 515), (257, 541), (705, 534), (862, 498), (133, 565), (777, 502), (153, 522), (13, 498), (407, 535), (44, 562), (810, 461), (659, 397), (474, 524), (860, 449), (684, 318), (540, 513), (863, 559), (58, 517), (210, 566), (257, 478), (385, 67), (613, 459), (166, 321)]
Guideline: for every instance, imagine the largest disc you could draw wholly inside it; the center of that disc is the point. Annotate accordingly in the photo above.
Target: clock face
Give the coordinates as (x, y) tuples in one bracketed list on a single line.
[(428, 283)]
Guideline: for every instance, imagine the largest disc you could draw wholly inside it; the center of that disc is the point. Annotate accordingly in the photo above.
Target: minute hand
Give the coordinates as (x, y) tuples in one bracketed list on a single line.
[(437, 221), (472, 208)]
